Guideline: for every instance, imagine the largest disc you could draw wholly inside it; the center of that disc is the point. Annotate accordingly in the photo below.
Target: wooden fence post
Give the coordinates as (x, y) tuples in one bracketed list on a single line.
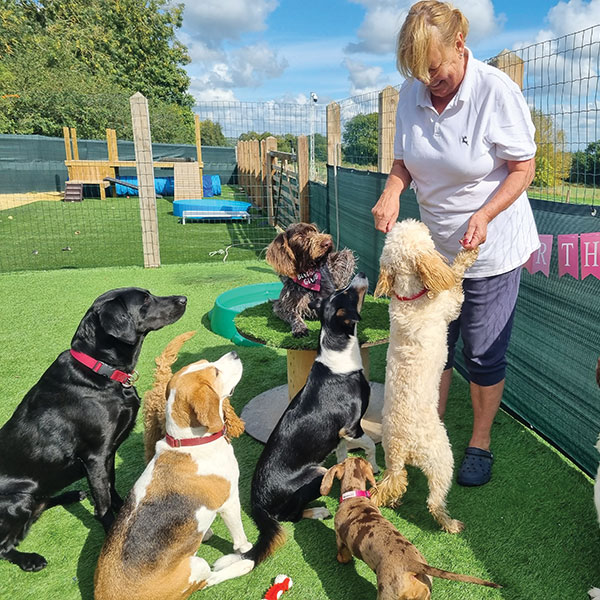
[(198, 133), (270, 144), (255, 171), (334, 134), (74, 142), (511, 64), (388, 103), (303, 190), (111, 145), (67, 137), (145, 172)]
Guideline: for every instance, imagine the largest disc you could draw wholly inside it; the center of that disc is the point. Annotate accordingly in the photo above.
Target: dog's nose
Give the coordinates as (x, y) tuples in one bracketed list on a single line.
[(234, 354), (181, 300), (326, 243)]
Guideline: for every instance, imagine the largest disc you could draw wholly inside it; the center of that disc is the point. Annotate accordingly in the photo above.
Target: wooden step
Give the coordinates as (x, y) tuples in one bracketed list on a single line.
[(73, 192)]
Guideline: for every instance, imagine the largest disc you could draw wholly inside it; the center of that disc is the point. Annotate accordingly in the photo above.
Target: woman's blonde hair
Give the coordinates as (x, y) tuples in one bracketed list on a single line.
[(427, 22)]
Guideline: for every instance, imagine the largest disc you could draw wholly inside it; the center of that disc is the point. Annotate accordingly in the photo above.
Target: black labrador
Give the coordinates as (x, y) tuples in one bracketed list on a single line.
[(71, 422)]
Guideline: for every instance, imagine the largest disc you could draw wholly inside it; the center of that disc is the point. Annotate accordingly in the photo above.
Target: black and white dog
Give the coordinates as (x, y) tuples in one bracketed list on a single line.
[(71, 422), (327, 410)]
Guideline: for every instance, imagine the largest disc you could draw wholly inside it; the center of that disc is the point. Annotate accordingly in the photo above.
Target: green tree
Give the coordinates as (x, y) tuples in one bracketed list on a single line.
[(76, 62), (320, 147), (551, 160), (212, 134), (359, 141), (585, 167)]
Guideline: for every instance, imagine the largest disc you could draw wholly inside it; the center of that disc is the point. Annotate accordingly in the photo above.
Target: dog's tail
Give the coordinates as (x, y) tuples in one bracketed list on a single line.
[(270, 537), (434, 572), (154, 399)]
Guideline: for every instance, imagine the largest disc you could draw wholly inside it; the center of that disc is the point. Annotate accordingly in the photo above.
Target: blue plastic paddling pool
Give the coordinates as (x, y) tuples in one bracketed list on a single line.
[(220, 208)]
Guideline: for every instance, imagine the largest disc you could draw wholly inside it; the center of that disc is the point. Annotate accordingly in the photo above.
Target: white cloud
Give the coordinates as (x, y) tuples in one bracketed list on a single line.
[(215, 69), (567, 17), (216, 20), (383, 19), (363, 78)]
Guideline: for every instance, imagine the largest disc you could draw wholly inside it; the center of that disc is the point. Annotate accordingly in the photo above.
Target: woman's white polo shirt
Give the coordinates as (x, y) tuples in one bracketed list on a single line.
[(457, 160)]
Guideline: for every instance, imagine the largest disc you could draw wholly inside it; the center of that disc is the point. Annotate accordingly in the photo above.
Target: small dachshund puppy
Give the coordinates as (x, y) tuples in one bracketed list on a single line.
[(361, 530), (309, 269)]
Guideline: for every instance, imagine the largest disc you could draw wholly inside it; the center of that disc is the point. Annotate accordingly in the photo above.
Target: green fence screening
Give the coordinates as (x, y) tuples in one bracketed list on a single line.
[(550, 384), (35, 163)]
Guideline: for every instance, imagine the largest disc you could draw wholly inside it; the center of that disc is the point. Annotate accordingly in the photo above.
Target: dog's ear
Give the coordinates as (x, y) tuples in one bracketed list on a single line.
[(435, 272), (350, 315), (385, 283), (205, 404), (280, 256), (117, 321), (327, 482), (234, 425), (368, 470)]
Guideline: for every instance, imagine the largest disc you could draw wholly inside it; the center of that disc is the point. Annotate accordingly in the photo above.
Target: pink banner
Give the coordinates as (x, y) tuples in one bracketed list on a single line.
[(568, 255), (590, 255), (540, 259)]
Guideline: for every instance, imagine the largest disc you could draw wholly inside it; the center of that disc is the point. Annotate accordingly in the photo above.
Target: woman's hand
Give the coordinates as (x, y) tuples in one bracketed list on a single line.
[(476, 232), (385, 212), (520, 175)]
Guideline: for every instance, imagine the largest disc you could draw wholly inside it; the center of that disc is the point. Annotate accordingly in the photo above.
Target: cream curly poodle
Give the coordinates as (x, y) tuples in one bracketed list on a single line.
[(426, 295)]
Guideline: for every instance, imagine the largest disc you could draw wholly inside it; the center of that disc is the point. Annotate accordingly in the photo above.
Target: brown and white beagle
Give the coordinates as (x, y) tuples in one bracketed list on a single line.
[(150, 552)]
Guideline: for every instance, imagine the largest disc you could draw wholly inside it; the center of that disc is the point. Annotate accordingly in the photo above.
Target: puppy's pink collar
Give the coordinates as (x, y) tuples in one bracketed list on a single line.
[(195, 441), (408, 298), (125, 379), (354, 494)]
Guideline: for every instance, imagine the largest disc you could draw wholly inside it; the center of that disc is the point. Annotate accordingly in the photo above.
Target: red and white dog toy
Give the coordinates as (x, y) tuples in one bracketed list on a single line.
[(281, 584)]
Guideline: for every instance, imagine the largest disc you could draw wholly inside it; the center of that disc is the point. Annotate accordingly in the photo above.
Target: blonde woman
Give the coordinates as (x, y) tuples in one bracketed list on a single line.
[(465, 142)]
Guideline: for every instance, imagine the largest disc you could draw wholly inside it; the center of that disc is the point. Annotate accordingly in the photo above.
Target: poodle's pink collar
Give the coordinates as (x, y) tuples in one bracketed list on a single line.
[(354, 494), (311, 280), (417, 295)]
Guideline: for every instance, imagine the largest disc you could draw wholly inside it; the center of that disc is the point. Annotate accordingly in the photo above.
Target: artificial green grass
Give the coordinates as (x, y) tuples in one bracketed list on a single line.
[(96, 233), (258, 323), (532, 529)]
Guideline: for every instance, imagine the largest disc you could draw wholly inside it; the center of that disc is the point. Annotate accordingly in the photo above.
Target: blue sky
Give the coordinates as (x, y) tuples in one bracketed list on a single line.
[(281, 50)]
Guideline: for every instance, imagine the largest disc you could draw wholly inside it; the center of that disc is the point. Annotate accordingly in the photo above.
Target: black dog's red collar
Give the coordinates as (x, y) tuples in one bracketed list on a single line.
[(195, 441), (126, 379)]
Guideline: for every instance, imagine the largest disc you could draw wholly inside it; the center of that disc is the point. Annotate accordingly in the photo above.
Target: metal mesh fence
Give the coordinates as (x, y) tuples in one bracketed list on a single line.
[(254, 187)]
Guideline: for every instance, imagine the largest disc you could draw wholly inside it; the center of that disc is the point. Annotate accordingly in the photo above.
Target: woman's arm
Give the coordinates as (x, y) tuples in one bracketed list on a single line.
[(386, 211), (520, 175)]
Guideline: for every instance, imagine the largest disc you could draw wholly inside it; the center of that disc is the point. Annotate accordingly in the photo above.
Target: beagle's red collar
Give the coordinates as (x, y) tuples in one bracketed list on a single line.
[(417, 295), (126, 379), (195, 441), (354, 494)]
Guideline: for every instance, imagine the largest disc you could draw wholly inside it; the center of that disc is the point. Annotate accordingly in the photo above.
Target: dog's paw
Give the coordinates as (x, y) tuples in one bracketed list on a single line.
[(226, 561), (594, 594), (242, 548), (297, 333), (453, 526), (319, 512), (30, 561)]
